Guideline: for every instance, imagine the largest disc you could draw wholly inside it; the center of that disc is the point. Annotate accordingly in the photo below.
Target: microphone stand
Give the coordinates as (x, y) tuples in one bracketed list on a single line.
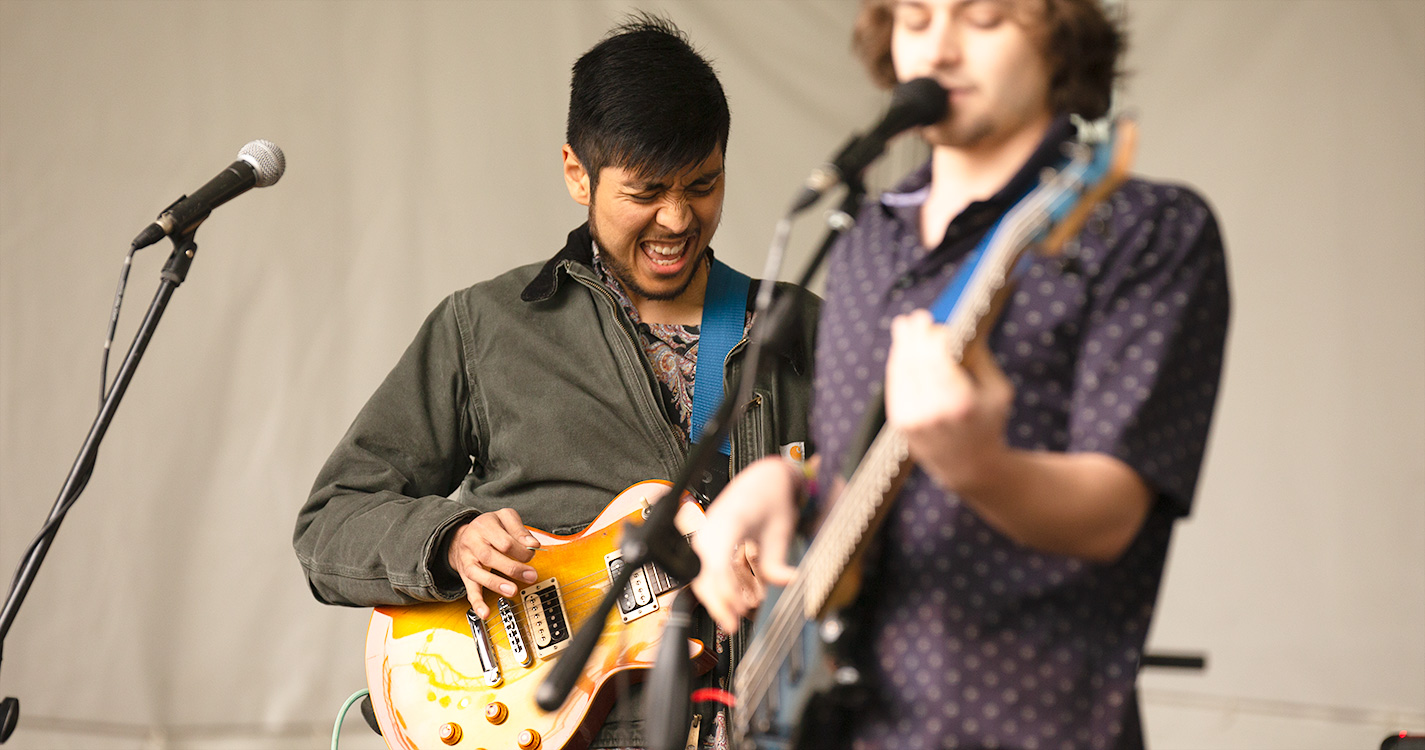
[(173, 274), (657, 540)]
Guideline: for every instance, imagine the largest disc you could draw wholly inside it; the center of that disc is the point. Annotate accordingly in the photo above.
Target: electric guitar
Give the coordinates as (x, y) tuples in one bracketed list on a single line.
[(440, 677), (774, 702)]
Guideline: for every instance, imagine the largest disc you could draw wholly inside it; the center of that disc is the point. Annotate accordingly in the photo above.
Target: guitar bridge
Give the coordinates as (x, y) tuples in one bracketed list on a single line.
[(512, 632)]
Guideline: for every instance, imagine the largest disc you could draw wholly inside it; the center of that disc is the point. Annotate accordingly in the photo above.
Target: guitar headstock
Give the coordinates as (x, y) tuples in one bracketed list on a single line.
[(1104, 156)]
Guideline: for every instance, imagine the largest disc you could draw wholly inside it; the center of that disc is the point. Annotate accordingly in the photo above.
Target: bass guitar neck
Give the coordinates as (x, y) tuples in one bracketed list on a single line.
[(1042, 221)]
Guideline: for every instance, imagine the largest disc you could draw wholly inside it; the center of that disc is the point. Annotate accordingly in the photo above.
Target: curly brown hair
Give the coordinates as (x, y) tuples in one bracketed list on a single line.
[(1080, 42)]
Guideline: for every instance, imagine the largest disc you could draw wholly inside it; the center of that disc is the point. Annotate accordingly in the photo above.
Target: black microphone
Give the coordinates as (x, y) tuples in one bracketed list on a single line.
[(913, 104), (259, 164), (667, 696)]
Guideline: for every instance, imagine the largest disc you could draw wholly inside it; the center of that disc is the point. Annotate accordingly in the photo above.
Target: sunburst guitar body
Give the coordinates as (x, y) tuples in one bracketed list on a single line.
[(442, 678)]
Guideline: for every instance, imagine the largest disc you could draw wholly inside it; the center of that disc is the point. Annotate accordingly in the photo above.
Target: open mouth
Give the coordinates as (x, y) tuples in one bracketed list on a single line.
[(666, 256)]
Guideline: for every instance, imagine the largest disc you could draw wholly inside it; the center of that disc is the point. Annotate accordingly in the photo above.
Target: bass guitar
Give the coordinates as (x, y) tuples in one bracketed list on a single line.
[(783, 675), (441, 677)]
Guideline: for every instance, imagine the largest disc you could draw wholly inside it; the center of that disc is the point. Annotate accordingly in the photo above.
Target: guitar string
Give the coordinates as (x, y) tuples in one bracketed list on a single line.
[(572, 585), (781, 630), (576, 611), (579, 600), (785, 620), (576, 594), (788, 615)]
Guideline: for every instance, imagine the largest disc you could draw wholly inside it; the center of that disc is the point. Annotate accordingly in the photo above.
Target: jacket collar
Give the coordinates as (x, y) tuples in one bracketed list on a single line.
[(579, 248)]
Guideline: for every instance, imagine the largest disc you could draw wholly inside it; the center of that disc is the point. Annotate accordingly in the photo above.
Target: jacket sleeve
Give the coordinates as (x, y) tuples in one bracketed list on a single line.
[(372, 526)]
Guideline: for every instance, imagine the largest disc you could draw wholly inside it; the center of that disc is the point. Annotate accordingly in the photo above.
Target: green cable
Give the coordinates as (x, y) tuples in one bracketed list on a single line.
[(341, 715)]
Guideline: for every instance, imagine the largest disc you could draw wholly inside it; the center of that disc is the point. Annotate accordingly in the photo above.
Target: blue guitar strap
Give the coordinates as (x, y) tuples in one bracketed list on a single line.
[(724, 316), (945, 303)]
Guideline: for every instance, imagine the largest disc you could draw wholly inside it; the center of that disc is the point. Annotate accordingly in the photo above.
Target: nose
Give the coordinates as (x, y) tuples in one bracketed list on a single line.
[(675, 215), (945, 36)]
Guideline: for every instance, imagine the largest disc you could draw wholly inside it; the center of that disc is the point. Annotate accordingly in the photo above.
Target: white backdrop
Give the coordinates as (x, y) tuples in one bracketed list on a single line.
[(423, 144)]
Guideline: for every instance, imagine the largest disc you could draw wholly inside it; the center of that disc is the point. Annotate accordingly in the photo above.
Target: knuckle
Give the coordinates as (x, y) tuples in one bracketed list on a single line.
[(508, 514)]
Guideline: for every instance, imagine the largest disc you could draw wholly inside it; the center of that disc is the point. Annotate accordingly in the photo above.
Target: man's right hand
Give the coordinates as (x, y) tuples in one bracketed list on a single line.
[(490, 552)]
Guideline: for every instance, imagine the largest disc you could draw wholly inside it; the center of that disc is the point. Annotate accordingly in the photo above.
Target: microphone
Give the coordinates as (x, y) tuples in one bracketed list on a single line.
[(259, 164), (913, 104)]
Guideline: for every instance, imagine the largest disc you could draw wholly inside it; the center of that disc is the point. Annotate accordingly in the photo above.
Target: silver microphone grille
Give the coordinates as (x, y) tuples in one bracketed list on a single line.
[(266, 160)]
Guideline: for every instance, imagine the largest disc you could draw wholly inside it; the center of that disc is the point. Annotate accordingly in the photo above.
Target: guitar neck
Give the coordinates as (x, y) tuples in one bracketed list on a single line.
[(1053, 212)]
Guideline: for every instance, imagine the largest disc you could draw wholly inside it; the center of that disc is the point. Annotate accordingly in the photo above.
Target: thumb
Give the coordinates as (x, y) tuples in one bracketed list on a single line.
[(772, 558)]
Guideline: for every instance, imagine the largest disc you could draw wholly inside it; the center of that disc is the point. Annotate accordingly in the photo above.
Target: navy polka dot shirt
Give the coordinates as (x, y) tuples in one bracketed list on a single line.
[(971, 640)]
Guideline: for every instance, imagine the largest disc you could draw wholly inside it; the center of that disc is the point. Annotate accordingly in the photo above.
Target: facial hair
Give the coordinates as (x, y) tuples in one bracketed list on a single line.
[(625, 275)]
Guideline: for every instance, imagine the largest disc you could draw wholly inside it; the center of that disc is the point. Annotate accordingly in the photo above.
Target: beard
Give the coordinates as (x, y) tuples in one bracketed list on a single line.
[(625, 275)]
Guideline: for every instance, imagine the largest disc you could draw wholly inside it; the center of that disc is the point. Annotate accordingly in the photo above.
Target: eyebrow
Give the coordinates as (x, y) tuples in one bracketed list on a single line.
[(640, 187)]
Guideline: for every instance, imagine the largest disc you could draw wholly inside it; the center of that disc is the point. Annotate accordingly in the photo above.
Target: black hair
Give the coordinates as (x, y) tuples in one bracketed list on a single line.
[(644, 100)]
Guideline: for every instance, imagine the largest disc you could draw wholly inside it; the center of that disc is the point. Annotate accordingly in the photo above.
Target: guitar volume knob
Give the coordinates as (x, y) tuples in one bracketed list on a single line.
[(496, 712), (450, 733), (528, 740)]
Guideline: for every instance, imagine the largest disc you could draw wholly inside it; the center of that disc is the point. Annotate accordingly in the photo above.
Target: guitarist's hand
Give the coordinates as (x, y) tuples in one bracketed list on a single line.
[(757, 507), (490, 552), (953, 416)]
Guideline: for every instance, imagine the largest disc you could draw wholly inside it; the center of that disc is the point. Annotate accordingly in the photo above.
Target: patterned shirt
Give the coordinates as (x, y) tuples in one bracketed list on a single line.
[(972, 640), (672, 351)]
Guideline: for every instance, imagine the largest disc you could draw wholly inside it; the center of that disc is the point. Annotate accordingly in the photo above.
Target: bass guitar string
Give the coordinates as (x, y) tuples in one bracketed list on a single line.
[(785, 620)]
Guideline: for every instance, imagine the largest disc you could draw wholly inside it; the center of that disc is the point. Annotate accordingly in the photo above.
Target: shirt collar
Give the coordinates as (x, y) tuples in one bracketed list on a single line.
[(910, 193)]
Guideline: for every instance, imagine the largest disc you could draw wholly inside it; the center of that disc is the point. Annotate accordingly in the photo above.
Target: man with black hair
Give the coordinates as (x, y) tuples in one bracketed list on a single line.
[(536, 397), (1016, 572)]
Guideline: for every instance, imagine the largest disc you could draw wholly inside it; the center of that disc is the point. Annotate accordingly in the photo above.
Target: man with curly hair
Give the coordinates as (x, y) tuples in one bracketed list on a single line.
[(1010, 589)]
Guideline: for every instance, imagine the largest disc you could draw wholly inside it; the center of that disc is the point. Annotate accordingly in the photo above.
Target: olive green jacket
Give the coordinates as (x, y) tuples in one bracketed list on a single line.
[(533, 391)]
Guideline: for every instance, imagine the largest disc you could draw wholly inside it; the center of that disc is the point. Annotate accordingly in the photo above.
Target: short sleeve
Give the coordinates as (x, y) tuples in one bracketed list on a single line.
[(1152, 354)]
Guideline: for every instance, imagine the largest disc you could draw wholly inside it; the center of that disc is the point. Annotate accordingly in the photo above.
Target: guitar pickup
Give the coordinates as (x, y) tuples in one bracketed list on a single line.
[(489, 665), (512, 632), (639, 597), (548, 623)]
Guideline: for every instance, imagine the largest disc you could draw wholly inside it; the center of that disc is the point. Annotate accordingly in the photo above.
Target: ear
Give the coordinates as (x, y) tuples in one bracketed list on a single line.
[(576, 178)]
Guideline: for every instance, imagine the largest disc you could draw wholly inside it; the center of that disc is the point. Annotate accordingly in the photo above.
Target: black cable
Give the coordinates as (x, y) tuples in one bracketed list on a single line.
[(114, 324), (58, 514)]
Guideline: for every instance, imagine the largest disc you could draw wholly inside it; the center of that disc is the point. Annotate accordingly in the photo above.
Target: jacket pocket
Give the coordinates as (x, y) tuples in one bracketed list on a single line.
[(756, 434)]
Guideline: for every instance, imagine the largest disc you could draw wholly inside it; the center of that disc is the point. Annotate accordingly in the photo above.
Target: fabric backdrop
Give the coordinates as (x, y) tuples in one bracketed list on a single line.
[(423, 143)]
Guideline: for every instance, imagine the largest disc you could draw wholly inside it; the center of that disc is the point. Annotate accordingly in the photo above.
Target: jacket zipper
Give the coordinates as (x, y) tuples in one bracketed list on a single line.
[(650, 378)]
